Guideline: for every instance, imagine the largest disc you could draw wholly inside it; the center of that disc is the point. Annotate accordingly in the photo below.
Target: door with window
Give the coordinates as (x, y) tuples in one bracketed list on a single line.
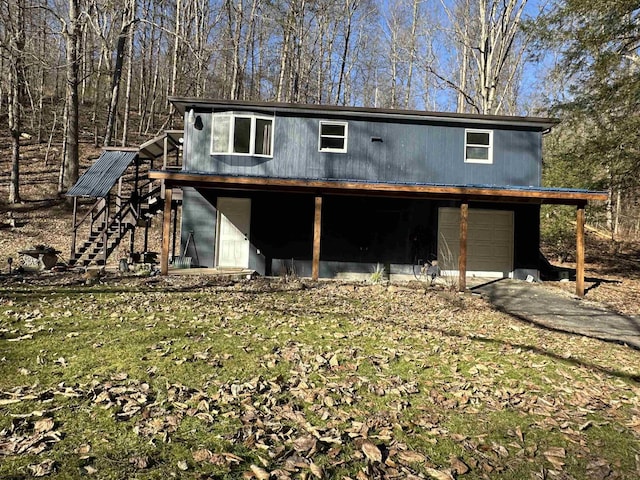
[(234, 220)]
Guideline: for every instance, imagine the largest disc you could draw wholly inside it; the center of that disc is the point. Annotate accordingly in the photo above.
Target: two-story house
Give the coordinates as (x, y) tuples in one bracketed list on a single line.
[(327, 191)]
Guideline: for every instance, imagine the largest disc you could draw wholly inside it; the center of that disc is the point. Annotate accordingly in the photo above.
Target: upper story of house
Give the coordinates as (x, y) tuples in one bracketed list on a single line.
[(277, 140)]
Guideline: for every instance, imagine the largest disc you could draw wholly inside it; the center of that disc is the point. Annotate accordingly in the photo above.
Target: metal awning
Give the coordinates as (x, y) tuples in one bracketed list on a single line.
[(98, 180), (171, 140)]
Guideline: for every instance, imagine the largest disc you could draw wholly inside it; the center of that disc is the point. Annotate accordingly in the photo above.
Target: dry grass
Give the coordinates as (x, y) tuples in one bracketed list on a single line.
[(193, 378)]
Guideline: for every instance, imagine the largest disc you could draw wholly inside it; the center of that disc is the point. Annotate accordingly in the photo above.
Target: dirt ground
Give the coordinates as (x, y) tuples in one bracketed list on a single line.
[(45, 218)]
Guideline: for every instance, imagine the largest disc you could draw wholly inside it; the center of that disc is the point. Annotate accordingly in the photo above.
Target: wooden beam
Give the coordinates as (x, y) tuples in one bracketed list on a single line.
[(166, 237), (317, 224), (75, 228), (580, 220), (386, 189), (120, 149), (462, 258)]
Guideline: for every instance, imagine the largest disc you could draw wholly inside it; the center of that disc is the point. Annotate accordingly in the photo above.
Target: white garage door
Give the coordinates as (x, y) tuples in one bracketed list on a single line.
[(489, 241)]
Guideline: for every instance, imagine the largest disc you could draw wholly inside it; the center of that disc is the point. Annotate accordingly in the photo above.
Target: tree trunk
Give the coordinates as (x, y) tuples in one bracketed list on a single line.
[(350, 6), (70, 164), (117, 75), (16, 28), (174, 57), (412, 52), (127, 95)]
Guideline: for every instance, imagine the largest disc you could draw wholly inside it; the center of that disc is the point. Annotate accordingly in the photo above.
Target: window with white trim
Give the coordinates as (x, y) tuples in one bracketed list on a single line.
[(478, 146), (332, 137), (242, 134)]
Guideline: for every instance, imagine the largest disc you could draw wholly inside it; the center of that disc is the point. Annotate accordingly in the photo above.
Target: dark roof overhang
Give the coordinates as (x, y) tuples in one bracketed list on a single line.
[(183, 104)]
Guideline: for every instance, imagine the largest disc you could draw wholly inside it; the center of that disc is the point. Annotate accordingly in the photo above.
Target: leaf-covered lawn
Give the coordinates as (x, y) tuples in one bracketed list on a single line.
[(192, 378)]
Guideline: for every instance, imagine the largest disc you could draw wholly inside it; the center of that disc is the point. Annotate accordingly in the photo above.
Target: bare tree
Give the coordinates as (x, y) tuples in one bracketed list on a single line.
[(127, 22), (485, 36), (70, 164), (13, 45), (127, 95)]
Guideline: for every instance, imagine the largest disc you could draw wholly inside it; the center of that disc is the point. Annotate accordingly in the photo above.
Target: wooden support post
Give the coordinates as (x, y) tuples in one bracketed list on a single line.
[(175, 233), (75, 228), (462, 257), (105, 234), (119, 195), (165, 151), (580, 219), (166, 237), (317, 223)]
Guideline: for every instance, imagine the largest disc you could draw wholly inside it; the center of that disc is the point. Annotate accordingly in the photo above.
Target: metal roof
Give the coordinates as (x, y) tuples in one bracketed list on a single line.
[(538, 123), (103, 174), (155, 147)]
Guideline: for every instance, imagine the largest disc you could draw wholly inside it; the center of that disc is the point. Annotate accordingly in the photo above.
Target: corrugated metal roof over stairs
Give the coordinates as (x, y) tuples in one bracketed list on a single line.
[(98, 180)]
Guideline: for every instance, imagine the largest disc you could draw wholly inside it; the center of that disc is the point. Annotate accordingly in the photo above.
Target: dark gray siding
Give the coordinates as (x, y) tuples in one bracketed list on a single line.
[(199, 216), (409, 152)]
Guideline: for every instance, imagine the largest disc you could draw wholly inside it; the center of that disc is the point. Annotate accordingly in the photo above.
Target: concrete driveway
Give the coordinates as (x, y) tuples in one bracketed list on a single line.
[(560, 311)]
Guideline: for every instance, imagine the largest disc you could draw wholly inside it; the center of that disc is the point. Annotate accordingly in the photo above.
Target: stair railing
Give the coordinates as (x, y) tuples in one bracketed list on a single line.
[(100, 210), (96, 211)]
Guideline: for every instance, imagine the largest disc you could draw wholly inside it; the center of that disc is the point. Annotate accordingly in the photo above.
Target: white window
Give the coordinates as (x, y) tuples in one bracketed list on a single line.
[(242, 134), (333, 137), (478, 146)]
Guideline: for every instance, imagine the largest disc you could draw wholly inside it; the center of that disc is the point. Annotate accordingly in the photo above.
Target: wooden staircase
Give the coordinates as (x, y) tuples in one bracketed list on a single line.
[(106, 235), (126, 198)]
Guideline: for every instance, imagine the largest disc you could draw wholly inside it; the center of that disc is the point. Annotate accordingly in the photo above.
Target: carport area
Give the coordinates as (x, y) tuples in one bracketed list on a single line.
[(461, 196)]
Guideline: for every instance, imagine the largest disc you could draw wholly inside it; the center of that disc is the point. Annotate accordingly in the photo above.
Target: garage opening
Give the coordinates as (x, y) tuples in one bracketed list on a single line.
[(489, 242)]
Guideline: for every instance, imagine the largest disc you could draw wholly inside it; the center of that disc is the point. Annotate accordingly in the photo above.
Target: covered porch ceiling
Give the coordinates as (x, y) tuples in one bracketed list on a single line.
[(476, 193)]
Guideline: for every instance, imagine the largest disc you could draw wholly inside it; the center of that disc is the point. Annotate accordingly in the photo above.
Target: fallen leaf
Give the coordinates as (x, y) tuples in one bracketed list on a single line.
[(316, 470), (202, 455), (182, 465), (83, 449), (555, 452), (362, 476), (458, 466), (42, 469), (306, 443), (260, 473), (585, 425), (519, 434), (89, 470), (372, 452), (139, 462), (43, 425), (409, 456), (439, 474)]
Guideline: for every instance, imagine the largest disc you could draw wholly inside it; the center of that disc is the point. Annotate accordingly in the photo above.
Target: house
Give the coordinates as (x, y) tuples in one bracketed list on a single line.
[(327, 191)]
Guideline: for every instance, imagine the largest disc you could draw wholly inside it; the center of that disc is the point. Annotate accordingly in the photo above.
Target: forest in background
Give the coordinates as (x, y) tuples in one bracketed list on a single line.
[(100, 71)]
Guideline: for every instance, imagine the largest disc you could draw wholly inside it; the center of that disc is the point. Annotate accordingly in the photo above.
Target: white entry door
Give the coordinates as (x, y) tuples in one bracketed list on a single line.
[(234, 220)]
